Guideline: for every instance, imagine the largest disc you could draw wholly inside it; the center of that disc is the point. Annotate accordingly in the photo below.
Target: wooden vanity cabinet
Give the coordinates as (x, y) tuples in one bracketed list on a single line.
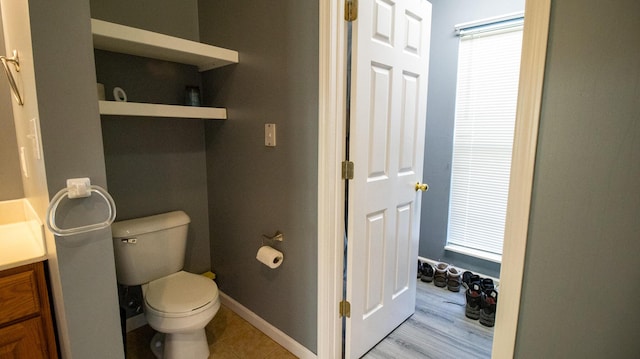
[(26, 327)]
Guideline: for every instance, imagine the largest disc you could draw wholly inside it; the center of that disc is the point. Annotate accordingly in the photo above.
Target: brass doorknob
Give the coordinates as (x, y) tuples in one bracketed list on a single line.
[(422, 187)]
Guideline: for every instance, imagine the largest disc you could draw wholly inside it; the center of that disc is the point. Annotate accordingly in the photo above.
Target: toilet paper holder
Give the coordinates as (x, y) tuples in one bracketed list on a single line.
[(278, 236), (268, 255)]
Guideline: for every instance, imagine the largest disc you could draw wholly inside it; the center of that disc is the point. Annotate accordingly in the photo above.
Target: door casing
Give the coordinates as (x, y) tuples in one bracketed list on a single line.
[(331, 114)]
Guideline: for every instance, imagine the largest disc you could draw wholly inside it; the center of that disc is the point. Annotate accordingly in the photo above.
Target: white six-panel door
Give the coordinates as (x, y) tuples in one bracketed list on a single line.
[(388, 113)]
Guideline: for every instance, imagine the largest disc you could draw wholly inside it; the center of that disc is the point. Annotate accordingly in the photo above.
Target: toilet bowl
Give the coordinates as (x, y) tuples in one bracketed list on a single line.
[(181, 305), (149, 252)]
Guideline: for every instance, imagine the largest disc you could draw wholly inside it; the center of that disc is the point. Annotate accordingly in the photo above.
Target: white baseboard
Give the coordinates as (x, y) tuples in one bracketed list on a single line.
[(496, 281), (269, 330)]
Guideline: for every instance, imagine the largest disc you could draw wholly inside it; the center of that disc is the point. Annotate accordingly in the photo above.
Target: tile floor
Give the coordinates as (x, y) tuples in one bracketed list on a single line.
[(229, 337)]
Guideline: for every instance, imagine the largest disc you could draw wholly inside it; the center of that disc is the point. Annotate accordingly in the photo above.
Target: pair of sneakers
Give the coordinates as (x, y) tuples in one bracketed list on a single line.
[(443, 275), (469, 277), (482, 299)]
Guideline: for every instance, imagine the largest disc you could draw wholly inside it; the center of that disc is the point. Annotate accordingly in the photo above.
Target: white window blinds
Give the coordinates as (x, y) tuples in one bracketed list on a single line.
[(487, 90)]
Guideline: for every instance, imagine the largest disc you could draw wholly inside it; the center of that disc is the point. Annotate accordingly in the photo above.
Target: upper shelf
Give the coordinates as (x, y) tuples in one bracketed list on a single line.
[(129, 40), (159, 110)]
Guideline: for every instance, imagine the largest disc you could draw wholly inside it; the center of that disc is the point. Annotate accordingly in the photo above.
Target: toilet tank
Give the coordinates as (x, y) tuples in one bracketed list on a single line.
[(149, 248)]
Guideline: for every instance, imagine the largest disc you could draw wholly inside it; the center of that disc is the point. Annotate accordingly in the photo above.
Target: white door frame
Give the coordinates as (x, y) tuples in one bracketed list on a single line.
[(331, 188), (331, 134)]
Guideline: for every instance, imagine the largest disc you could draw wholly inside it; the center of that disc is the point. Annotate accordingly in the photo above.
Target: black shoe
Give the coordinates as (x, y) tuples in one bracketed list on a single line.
[(419, 269), (468, 278), (488, 305), (487, 285), (474, 299), (426, 274)]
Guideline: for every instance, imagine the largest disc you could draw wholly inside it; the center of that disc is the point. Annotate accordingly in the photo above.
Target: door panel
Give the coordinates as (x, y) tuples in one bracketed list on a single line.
[(388, 113), (375, 248), (408, 123), (403, 249), (379, 132)]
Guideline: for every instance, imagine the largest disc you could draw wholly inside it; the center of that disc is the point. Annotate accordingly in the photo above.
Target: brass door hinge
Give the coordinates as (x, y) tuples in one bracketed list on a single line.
[(347, 170), (350, 10), (345, 309)]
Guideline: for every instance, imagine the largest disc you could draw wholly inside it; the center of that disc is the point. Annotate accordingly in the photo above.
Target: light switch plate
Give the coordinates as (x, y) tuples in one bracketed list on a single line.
[(270, 134)]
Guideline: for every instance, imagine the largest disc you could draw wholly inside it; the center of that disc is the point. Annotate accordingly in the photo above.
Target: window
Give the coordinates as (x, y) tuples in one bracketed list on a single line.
[(486, 96)]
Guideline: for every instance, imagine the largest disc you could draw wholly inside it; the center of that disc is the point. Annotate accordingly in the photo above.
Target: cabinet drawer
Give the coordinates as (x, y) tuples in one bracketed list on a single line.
[(18, 296), (24, 340)]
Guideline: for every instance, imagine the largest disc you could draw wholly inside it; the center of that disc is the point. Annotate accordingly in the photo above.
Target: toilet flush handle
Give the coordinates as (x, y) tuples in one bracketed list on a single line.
[(128, 240)]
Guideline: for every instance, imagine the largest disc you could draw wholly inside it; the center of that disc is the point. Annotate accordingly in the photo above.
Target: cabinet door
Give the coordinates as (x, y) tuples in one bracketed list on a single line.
[(18, 295), (23, 340)]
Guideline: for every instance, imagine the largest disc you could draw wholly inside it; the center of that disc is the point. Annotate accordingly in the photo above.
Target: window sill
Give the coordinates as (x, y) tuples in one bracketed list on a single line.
[(492, 257)]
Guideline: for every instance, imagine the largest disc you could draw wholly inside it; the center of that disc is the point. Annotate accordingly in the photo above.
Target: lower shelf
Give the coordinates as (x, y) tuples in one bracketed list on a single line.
[(155, 110)]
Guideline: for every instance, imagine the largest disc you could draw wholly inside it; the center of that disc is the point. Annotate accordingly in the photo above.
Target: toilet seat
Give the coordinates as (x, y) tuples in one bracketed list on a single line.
[(180, 294)]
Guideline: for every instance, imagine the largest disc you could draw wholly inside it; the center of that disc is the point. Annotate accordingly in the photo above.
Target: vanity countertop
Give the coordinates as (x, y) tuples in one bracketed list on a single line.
[(21, 235)]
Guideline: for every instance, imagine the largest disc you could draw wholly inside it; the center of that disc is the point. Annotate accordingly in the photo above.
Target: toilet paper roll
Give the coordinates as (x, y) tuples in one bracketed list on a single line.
[(270, 257), (119, 95)]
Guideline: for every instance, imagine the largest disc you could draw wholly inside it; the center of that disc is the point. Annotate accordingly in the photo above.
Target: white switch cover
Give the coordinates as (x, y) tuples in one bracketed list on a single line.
[(34, 136), (270, 134)]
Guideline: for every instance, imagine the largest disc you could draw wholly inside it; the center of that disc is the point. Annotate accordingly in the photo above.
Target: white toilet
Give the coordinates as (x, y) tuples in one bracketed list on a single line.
[(150, 251)]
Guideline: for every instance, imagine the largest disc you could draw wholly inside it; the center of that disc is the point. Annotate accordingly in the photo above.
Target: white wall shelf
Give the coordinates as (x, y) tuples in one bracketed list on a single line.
[(129, 40), (157, 110)]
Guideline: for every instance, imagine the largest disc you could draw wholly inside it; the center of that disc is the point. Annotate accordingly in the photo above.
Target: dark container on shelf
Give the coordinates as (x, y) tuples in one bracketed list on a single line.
[(192, 96)]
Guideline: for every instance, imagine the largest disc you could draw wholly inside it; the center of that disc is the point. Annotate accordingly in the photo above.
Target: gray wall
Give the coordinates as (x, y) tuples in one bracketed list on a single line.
[(255, 190), (72, 144), (443, 68), (580, 290), (10, 179), (155, 165), (172, 17)]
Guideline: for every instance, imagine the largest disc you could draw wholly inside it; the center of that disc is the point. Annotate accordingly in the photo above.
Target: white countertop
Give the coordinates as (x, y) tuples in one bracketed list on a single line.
[(18, 246), (21, 235)]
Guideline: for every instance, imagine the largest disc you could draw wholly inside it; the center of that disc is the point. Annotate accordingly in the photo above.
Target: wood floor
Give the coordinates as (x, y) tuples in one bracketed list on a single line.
[(438, 329)]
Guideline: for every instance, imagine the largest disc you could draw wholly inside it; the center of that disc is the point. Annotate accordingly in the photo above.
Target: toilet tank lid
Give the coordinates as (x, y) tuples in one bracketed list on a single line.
[(158, 222)]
